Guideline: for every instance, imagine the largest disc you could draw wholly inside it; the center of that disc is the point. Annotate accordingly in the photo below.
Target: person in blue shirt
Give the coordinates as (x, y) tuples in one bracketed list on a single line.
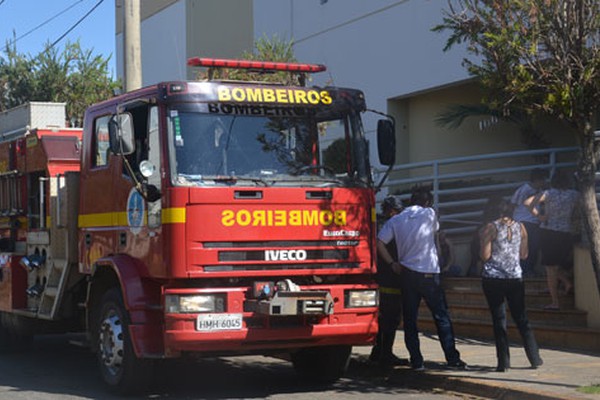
[(537, 182)]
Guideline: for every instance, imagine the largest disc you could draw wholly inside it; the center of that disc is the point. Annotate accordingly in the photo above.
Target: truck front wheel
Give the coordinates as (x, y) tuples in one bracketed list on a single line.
[(322, 364), (120, 368), (13, 339)]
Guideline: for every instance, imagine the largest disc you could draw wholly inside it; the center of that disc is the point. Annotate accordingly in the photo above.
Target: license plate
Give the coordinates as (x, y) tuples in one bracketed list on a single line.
[(218, 322)]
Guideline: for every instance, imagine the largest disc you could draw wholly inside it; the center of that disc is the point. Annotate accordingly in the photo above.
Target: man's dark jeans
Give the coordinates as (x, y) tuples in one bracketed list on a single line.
[(390, 314), (496, 291), (417, 286)]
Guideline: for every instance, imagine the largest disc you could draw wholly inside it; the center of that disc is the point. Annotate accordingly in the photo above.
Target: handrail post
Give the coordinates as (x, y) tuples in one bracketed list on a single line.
[(436, 184), (58, 200), (552, 163), (43, 202)]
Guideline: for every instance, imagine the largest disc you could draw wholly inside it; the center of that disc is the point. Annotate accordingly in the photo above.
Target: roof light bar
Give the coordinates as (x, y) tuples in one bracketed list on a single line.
[(255, 65)]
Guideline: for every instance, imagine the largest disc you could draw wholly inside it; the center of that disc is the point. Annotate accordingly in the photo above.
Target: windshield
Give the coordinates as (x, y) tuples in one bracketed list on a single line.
[(307, 149)]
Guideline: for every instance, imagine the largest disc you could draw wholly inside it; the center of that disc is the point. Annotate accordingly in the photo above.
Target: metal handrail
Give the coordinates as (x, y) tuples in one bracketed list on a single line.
[(460, 206)]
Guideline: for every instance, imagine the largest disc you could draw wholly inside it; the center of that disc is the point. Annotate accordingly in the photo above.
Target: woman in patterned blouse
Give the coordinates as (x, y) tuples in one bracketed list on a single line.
[(561, 205), (503, 245)]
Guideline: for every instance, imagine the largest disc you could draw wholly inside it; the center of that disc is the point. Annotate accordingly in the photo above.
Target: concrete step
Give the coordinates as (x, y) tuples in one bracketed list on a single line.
[(533, 285), (570, 338), (533, 299), (565, 328), (568, 318)]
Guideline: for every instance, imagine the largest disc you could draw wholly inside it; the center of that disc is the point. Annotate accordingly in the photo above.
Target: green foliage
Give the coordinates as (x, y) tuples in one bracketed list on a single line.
[(591, 389), (265, 49), (539, 56), (334, 156), (535, 55), (74, 76)]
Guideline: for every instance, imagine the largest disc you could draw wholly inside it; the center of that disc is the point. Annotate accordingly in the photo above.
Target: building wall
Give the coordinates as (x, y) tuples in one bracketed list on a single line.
[(174, 30), (218, 28), (387, 49), (163, 37), (587, 297), (384, 47)]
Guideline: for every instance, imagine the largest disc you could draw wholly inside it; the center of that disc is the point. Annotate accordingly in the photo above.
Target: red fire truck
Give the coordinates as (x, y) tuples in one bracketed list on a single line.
[(209, 218)]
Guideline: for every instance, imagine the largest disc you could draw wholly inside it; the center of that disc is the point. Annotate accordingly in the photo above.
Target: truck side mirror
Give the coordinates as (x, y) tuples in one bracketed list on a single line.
[(120, 131), (386, 142)]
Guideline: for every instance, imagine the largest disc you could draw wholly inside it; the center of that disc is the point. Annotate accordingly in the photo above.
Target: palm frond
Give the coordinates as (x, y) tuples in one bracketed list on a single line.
[(455, 115)]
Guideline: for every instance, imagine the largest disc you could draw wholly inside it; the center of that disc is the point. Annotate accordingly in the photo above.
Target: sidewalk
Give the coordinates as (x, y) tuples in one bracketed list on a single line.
[(562, 373)]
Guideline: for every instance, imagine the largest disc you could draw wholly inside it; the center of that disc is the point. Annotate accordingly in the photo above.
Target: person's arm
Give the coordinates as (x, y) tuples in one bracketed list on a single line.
[(486, 236), (524, 249), (532, 204), (386, 257)]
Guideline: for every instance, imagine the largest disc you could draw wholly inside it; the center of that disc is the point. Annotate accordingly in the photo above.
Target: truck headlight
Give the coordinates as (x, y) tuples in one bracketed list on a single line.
[(194, 303), (361, 298)]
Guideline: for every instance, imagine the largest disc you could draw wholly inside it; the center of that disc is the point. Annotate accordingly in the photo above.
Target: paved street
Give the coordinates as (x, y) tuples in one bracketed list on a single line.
[(53, 369)]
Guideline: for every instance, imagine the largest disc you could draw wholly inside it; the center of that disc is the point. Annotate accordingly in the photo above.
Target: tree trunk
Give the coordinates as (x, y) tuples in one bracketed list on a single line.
[(592, 225), (587, 188)]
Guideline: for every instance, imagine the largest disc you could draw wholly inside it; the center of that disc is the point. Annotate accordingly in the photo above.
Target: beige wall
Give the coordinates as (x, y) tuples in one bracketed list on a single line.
[(421, 139), (175, 30), (218, 28), (148, 9), (586, 290)]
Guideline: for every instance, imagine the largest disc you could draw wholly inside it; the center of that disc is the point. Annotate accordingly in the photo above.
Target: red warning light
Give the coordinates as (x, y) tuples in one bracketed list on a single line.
[(254, 65)]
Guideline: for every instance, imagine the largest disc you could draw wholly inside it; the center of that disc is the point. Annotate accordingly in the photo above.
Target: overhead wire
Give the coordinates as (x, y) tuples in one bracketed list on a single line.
[(74, 26), (41, 24)]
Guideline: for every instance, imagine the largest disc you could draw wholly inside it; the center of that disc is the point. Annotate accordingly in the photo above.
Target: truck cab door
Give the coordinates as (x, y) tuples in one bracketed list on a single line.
[(97, 213), (139, 189)]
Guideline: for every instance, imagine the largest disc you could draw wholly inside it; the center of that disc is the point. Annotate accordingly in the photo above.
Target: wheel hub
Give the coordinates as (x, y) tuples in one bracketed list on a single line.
[(111, 342)]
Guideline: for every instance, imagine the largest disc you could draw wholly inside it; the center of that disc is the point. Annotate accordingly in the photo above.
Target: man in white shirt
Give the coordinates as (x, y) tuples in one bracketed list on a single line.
[(414, 232)]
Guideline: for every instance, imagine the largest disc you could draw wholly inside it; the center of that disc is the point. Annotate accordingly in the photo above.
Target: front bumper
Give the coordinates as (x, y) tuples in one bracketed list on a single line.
[(263, 333)]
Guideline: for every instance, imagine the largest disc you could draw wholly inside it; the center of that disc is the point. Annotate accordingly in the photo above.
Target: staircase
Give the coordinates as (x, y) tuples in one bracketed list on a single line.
[(565, 328)]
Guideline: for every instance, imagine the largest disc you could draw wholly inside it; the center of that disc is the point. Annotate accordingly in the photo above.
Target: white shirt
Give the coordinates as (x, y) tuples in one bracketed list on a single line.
[(522, 213), (414, 230)]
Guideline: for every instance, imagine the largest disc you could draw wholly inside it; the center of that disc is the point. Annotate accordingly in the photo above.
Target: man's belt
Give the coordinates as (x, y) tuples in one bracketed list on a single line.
[(389, 290), (424, 274)]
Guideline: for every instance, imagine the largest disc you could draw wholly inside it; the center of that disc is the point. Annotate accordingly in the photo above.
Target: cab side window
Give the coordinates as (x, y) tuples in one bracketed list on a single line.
[(100, 146), (140, 126)]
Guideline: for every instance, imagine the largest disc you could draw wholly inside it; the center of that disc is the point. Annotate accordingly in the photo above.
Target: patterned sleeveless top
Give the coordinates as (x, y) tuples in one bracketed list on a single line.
[(504, 262)]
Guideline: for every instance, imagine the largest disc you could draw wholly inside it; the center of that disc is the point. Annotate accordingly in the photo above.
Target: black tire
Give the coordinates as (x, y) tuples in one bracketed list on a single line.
[(324, 364), (120, 368), (13, 340)]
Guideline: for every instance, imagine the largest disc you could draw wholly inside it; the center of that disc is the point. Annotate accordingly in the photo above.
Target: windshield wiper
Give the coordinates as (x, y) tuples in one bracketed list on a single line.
[(232, 180)]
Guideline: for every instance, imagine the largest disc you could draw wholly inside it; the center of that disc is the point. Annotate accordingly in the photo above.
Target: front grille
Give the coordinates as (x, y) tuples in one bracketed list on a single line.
[(261, 255), (281, 243), (282, 255), (268, 267)]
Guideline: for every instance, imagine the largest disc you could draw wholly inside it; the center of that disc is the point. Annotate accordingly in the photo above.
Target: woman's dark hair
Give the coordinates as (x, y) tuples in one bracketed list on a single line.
[(497, 207)]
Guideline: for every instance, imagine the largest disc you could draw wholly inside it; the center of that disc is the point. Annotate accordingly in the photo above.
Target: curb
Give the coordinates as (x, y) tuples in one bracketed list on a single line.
[(472, 386)]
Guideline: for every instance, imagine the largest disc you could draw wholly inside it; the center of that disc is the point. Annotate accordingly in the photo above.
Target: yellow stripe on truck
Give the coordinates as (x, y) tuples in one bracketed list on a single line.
[(168, 216), (173, 215)]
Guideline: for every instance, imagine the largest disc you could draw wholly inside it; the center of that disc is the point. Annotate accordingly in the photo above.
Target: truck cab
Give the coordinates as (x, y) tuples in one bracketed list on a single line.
[(227, 217)]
